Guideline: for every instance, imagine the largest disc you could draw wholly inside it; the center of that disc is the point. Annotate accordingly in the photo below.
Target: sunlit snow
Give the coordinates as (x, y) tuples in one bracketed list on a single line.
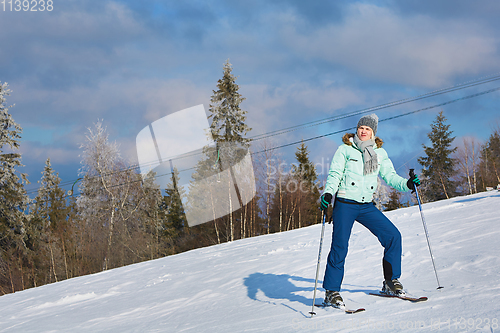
[(265, 284)]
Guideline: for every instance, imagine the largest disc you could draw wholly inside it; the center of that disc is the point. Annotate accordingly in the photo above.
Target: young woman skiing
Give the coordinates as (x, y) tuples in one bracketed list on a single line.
[(353, 179)]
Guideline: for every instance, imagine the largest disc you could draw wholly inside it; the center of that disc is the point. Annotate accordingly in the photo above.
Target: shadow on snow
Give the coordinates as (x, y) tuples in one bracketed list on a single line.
[(282, 287)]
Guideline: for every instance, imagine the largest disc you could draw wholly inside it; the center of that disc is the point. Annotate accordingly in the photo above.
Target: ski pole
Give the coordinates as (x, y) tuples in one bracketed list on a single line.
[(412, 173), (319, 259)]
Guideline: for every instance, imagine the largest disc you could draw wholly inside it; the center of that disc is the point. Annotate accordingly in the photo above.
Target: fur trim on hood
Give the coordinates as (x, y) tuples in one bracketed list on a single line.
[(348, 136)]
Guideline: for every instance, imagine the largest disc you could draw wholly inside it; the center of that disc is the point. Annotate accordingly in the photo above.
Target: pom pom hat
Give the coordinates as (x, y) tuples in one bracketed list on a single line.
[(370, 120)]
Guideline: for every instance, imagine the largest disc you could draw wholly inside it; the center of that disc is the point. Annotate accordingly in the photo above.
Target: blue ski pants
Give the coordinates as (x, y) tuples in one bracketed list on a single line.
[(345, 212)]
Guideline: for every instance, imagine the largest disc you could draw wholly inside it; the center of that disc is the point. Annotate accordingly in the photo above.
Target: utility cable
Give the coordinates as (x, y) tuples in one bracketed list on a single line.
[(379, 107)]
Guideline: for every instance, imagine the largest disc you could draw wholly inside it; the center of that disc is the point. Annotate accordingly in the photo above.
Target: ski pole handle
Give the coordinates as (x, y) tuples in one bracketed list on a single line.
[(412, 173)]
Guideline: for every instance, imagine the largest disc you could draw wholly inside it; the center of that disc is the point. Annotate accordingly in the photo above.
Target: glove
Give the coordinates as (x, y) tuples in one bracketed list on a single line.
[(326, 199), (413, 182)]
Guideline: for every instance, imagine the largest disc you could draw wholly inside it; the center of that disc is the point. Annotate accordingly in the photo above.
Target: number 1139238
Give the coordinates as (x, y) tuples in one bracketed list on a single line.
[(26, 5)]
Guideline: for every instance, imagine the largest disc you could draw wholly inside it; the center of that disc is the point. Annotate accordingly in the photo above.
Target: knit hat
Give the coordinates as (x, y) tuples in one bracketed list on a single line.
[(370, 120)]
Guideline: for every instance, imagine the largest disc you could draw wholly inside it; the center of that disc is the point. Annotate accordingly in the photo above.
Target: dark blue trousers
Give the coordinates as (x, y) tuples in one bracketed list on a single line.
[(345, 212)]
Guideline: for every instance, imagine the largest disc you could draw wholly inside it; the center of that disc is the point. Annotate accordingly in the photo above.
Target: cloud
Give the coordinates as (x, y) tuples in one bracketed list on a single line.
[(70, 44), (37, 153), (325, 97), (122, 103), (77, 24), (416, 50)]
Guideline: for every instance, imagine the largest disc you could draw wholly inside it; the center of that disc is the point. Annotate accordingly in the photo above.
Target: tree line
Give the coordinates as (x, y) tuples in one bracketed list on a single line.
[(120, 217), (451, 169)]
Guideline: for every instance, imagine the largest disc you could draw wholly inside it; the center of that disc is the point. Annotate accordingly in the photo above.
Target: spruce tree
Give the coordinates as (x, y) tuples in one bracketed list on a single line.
[(13, 198), (50, 203), (304, 170), (438, 165), (228, 129), (228, 119), (304, 173), (47, 221), (175, 216), (47, 226)]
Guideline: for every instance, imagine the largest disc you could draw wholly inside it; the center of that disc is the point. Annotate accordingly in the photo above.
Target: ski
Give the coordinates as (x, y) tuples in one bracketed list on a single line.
[(403, 297), (348, 311)]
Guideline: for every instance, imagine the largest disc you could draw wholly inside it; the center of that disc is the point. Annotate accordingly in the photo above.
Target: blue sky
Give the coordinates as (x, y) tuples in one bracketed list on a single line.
[(130, 63)]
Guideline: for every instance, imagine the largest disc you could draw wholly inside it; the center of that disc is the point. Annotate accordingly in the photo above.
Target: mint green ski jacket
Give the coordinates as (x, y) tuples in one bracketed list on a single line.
[(346, 173)]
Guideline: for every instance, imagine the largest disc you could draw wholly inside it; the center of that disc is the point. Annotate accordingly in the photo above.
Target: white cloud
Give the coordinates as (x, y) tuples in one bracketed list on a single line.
[(327, 98), (294, 103), (415, 50), (33, 152)]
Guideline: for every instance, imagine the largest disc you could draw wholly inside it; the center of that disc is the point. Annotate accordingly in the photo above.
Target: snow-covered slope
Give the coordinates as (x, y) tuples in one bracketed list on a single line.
[(265, 284)]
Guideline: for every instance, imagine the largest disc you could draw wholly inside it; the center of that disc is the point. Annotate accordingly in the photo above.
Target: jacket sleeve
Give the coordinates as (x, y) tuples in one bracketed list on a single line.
[(389, 175), (336, 172)]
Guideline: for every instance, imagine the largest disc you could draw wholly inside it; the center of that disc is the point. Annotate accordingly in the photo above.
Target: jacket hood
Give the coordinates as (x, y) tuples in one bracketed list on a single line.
[(348, 136)]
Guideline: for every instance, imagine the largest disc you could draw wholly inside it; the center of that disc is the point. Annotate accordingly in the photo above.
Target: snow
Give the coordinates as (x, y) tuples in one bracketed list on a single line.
[(265, 284)]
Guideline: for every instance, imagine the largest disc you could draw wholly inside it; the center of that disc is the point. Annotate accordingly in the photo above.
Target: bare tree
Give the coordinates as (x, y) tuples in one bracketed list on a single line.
[(110, 195), (467, 158)]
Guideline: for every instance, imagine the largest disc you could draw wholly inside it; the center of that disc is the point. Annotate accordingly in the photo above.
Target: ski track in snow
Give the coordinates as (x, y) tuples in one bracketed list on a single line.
[(266, 283)]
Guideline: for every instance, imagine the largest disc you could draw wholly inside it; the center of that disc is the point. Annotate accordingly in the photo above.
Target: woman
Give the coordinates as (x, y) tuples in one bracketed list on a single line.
[(353, 178)]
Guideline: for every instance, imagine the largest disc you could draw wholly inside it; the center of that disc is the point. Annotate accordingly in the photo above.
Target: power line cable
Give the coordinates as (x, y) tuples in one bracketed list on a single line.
[(385, 119), (379, 107)]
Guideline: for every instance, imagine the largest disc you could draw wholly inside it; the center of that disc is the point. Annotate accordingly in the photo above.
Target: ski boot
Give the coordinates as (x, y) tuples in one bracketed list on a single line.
[(393, 287), (333, 298)]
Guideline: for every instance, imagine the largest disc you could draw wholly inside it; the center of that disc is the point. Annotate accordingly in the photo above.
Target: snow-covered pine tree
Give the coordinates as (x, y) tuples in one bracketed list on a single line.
[(228, 119), (228, 122), (438, 165), (48, 219), (13, 198)]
